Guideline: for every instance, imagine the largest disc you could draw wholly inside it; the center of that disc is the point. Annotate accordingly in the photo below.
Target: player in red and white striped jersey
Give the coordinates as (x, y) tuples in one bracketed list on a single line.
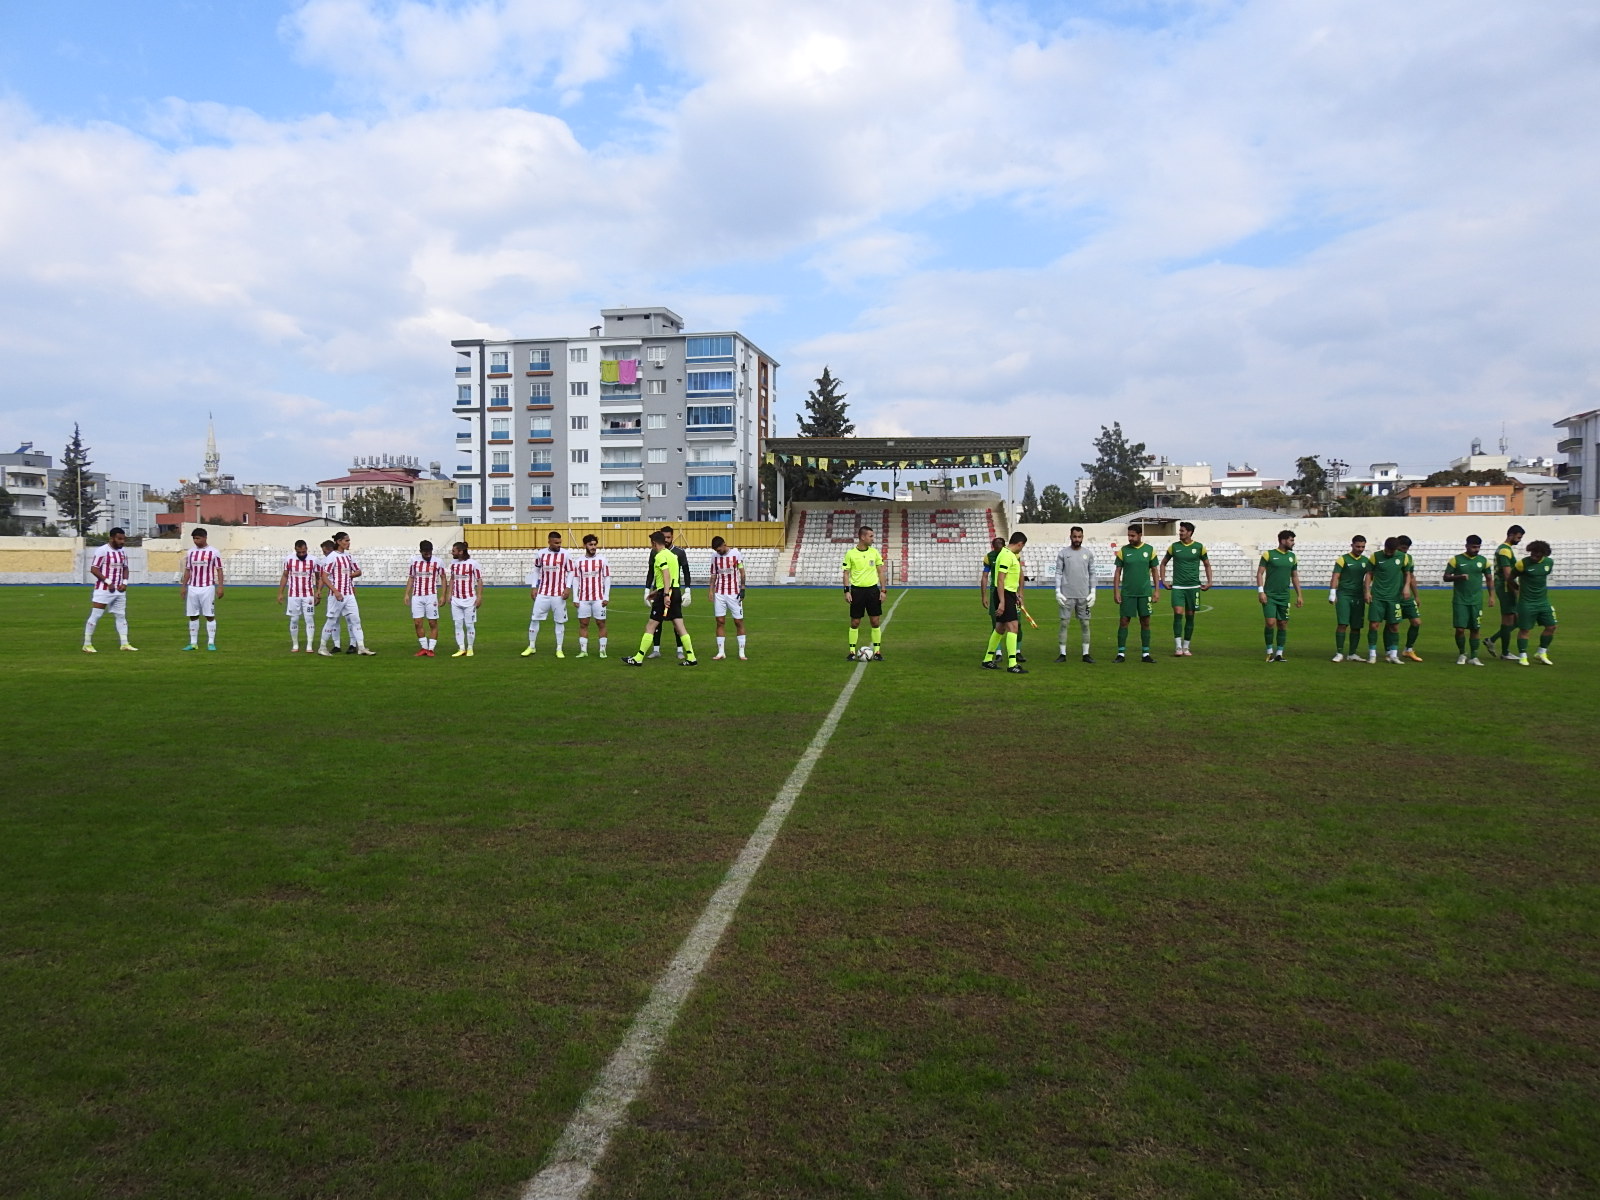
[(110, 570), (300, 582), (423, 583), (547, 584), (202, 588), (340, 572), (727, 594), (466, 597), (591, 588)]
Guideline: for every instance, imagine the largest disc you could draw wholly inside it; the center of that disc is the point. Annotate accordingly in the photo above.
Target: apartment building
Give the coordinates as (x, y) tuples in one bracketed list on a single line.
[(1581, 471), (638, 421)]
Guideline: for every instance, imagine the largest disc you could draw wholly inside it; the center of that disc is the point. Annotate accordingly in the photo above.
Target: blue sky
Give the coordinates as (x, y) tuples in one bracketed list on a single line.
[(1246, 231)]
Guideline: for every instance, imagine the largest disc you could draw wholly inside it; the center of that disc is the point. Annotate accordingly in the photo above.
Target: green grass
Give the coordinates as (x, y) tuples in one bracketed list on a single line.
[(288, 927)]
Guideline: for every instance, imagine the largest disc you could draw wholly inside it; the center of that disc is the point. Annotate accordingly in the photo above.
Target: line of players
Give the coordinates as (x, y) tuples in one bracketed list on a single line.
[(1379, 591), (307, 579)]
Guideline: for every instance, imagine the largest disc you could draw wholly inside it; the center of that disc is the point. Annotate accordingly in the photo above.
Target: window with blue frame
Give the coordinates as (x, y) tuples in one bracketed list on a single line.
[(464, 493), (708, 347), (721, 514), (463, 393), (708, 381), (711, 487), (538, 360), (709, 416)]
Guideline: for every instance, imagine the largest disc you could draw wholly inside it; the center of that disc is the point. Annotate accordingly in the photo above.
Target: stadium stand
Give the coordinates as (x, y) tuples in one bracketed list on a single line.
[(926, 544)]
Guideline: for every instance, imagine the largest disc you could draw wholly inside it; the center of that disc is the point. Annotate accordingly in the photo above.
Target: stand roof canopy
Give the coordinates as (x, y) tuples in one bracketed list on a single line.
[(899, 453)]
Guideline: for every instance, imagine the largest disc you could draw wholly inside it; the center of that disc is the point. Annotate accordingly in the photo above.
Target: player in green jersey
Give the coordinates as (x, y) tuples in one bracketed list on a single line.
[(1187, 556), (1469, 574), (1276, 574), (1533, 602), (1410, 610), (1133, 586), (1387, 582), (1006, 604), (1347, 593), (666, 603), (864, 590), (1505, 589)]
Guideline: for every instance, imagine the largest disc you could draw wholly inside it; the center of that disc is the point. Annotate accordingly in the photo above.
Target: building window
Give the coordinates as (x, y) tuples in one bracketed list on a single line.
[(709, 347), (501, 460), (708, 381), (539, 427), (463, 393), (579, 490), (656, 354), (710, 416), (539, 391), (580, 422), (1441, 504), (656, 421), (499, 361), (578, 354), (1485, 504), (539, 460), (499, 428), (500, 393), (580, 456), (346, 494), (711, 487), (656, 387), (621, 425), (502, 494), (577, 389), (656, 456), (464, 493), (657, 489), (540, 494), (538, 360)]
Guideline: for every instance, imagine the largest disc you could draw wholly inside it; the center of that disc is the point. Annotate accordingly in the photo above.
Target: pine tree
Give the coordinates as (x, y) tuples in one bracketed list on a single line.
[(1030, 503), (74, 495), (1115, 482), (826, 417)]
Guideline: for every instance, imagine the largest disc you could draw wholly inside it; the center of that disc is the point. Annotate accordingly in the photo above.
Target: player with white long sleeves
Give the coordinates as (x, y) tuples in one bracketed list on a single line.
[(110, 570), (727, 595), (1075, 590), (547, 584), (297, 587), (591, 588), (466, 597)]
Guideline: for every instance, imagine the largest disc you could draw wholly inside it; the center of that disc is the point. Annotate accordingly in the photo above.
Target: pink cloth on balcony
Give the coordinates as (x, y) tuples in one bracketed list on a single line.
[(627, 370)]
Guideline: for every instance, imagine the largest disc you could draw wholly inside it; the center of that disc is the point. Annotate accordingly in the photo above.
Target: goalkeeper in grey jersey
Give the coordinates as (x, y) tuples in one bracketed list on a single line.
[(1075, 590)]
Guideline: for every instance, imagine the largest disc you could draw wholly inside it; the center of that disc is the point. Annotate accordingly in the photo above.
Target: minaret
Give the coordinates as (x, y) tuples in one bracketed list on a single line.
[(211, 476)]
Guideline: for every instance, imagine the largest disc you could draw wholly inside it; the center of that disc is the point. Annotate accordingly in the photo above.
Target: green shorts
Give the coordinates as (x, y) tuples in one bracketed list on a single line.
[(1186, 596), (1350, 610), (1134, 606), (1383, 612), (1465, 614), (1408, 610), (1277, 607), (1507, 602), (1529, 615)]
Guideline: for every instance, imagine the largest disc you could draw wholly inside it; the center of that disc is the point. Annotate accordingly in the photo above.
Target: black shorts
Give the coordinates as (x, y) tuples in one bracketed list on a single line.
[(866, 602), (1003, 606), (667, 605)]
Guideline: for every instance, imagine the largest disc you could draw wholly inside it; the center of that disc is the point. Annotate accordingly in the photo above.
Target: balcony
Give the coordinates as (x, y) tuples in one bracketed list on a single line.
[(625, 432), (633, 398), (709, 430), (621, 501), (464, 435), (635, 467), (725, 464), (464, 370), (1569, 445), (500, 437)]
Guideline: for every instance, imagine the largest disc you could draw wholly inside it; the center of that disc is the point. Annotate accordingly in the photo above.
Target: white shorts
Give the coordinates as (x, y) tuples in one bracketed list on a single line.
[(114, 601), (545, 607), (591, 608), (201, 602), (463, 612), (302, 606), (425, 608), (727, 606), (1079, 608), (346, 608)]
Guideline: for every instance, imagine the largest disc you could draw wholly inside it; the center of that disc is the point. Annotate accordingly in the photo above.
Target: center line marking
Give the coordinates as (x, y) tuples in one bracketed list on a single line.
[(569, 1171)]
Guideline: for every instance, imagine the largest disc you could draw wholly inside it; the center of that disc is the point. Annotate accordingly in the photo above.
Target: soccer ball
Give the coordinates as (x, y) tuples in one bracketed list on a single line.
[(864, 654)]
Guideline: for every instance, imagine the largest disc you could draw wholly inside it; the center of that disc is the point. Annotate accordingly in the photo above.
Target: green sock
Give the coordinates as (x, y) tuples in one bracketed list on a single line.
[(855, 636), (877, 638), (1545, 639), (1461, 642), (1507, 632), (1011, 649), (1411, 635), (1122, 638), (1474, 640), (1188, 626), (1522, 642), (994, 644), (645, 644), (1283, 635), (1177, 624), (1372, 638), (1391, 641), (1272, 635), (687, 643), (1338, 641), (1144, 639)]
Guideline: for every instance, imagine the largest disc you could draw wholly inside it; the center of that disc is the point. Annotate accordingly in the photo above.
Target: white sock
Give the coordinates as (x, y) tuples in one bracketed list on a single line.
[(602, 645), (461, 636), (533, 633), (294, 633), (194, 631), (122, 626), (422, 643), (721, 644), (1086, 645), (741, 643), (355, 633), (1177, 643), (561, 634), (211, 632), (88, 628), (472, 634), (1063, 649), (583, 645)]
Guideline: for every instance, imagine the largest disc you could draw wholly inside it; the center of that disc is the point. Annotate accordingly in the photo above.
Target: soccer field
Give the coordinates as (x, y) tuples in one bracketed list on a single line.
[(283, 926)]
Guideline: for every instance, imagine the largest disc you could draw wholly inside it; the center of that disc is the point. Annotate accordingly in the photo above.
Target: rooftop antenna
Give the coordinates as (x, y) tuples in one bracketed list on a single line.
[(1503, 443)]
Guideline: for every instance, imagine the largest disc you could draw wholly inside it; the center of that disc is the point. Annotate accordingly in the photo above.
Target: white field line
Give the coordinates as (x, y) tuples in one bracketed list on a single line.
[(569, 1171)]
